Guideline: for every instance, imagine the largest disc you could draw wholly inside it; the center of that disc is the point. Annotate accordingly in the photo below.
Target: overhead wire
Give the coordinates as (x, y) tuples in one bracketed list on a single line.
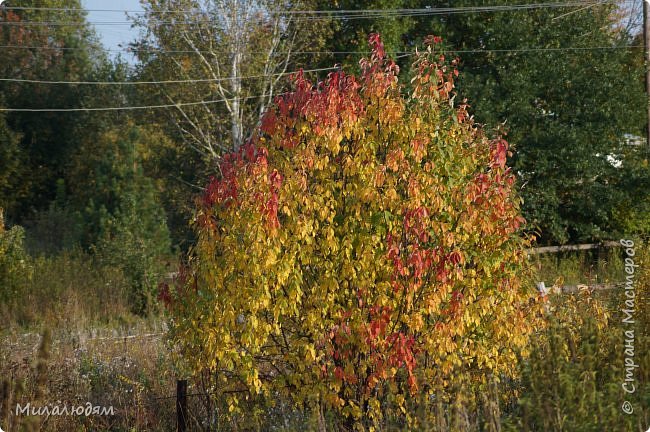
[(399, 54), (346, 12), (133, 108), (314, 15), (177, 105), (143, 107), (477, 50), (341, 14), (186, 81)]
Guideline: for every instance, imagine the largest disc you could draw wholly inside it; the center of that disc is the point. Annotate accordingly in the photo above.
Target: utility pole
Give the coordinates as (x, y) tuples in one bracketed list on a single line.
[(646, 58)]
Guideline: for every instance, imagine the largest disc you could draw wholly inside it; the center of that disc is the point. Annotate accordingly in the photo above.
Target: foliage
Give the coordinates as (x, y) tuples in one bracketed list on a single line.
[(57, 228), (572, 380), (75, 179), (174, 171), (46, 139), (633, 214), (567, 107), (9, 161), (136, 240), (125, 223), (15, 263), (349, 36), (359, 250), (567, 112)]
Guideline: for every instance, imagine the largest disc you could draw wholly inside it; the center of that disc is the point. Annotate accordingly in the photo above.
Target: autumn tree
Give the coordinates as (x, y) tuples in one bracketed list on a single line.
[(362, 248)]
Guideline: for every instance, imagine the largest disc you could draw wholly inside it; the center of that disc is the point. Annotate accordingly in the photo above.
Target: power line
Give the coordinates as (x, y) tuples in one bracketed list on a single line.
[(477, 50), (163, 51), (589, 6), (517, 50), (31, 81), (178, 105), (320, 15), (343, 12), (133, 108)]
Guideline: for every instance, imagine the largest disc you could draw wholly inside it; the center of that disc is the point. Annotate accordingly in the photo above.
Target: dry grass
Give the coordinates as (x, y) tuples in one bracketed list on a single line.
[(128, 373), (100, 353), (68, 291)]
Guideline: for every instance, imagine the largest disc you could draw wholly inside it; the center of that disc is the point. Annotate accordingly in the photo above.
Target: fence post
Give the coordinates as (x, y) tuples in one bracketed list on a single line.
[(181, 405)]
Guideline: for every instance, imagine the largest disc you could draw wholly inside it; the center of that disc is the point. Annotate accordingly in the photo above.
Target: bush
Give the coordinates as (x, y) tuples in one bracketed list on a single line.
[(135, 240), (15, 263), (55, 229), (359, 252)]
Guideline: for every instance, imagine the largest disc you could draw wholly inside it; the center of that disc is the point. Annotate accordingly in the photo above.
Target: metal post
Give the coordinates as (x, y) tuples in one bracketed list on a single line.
[(181, 405)]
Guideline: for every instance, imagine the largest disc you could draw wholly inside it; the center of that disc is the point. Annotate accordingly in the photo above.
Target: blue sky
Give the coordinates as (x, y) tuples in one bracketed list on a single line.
[(113, 35)]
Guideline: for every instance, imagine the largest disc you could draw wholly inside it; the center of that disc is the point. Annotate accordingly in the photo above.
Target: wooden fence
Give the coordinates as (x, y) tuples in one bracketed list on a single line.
[(568, 248)]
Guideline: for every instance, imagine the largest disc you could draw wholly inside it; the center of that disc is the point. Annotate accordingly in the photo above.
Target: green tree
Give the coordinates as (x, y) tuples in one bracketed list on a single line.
[(124, 221), (15, 264), (10, 156), (567, 111), (47, 139), (350, 35)]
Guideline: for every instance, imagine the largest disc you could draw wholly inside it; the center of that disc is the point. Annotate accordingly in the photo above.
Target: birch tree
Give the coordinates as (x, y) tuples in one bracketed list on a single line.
[(237, 52)]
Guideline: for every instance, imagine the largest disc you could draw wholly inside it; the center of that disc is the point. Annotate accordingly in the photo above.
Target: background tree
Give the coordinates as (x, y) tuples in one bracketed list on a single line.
[(350, 36), (76, 178), (15, 264), (566, 106), (123, 218), (47, 139), (220, 44), (568, 112), (10, 157)]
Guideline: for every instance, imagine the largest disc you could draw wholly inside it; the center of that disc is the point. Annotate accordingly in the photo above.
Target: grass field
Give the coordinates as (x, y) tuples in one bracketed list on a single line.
[(70, 340)]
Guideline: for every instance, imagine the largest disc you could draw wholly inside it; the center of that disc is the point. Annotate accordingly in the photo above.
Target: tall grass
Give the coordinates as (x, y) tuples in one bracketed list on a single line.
[(600, 266), (67, 291)]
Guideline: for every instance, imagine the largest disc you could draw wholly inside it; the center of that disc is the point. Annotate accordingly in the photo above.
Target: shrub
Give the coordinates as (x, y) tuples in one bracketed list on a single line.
[(135, 239), (56, 228), (15, 263), (359, 251)]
